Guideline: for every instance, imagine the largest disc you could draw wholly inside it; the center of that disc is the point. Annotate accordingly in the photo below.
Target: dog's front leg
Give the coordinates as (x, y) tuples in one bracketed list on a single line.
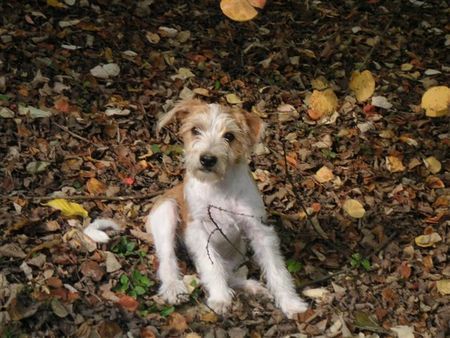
[(210, 265), (265, 244)]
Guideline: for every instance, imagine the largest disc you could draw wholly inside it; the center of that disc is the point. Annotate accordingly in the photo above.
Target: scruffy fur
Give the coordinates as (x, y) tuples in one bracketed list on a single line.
[(227, 135)]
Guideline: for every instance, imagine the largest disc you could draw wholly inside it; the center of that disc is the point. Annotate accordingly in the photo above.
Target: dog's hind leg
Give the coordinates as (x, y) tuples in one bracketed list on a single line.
[(162, 223)]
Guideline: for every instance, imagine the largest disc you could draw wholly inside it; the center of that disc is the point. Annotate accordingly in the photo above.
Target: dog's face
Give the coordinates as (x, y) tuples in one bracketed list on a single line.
[(215, 136)]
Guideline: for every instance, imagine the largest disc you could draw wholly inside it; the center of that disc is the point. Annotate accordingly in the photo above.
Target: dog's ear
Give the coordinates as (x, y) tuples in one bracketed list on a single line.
[(180, 111), (255, 126)]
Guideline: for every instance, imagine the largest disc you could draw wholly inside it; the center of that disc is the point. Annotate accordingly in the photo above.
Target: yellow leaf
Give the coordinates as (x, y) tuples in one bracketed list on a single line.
[(257, 3), (56, 4), (354, 208), (433, 164), (95, 187), (324, 175), (67, 208), (443, 286), (238, 10), (233, 99), (394, 164), (425, 241), (436, 101), (362, 85), (322, 103), (320, 83)]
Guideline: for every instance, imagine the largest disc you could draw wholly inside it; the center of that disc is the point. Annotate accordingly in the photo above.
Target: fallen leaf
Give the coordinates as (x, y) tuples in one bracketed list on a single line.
[(434, 182), (318, 293), (95, 187), (381, 102), (354, 208), (405, 270), (11, 250), (324, 175), (238, 10), (322, 103), (58, 308), (209, 317), (112, 264), (177, 322), (56, 4), (362, 84), (6, 113), (233, 99), (436, 101), (183, 74), (433, 164), (109, 329), (128, 303), (92, 269), (394, 164), (403, 331), (443, 286), (105, 71), (426, 241), (67, 208), (36, 113), (257, 3), (37, 167)]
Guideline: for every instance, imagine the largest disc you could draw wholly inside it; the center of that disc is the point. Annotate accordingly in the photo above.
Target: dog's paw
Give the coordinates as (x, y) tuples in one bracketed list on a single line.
[(293, 306), (220, 304), (174, 292)]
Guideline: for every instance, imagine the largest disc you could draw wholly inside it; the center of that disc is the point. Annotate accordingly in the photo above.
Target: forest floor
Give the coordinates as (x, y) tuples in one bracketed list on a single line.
[(71, 127)]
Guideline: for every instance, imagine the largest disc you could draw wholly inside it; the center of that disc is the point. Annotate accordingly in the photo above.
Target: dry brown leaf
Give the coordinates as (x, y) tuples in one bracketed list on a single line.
[(443, 286), (394, 164), (238, 10), (354, 208), (92, 269), (324, 175), (433, 164), (426, 241), (95, 187), (362, 84), (405, 270), (322, 103), (177, 323), (128, 303), (436, 101)]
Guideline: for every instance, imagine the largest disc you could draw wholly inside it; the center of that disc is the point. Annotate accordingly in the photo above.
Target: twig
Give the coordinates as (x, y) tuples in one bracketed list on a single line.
[(67, 130), (88, 198), (323, 279)]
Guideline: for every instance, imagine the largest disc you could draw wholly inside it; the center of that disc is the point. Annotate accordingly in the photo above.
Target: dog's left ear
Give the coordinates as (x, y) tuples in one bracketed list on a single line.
[(180, 111), (255, 126)]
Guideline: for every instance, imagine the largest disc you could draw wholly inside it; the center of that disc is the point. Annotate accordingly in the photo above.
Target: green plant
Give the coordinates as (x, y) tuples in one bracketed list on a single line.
[(358, 261), (126, 247), (134, 285), (293, 265)]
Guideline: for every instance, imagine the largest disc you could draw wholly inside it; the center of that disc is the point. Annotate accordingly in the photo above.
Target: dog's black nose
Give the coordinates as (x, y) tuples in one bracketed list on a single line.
[(208, 161)]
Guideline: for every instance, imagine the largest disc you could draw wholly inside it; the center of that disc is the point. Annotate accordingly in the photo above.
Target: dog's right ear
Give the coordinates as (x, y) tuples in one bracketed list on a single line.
[(180, 111)]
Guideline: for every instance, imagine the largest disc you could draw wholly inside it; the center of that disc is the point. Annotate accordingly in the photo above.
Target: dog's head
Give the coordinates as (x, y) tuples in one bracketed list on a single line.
[(215, 137)]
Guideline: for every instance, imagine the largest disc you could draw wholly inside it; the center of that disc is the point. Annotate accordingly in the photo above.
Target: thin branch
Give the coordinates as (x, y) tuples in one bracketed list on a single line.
[(87, 198), (67, 130)]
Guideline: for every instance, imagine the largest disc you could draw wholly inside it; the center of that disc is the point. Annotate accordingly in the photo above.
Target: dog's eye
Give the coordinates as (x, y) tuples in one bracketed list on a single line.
[(229, 137), (195, 131)]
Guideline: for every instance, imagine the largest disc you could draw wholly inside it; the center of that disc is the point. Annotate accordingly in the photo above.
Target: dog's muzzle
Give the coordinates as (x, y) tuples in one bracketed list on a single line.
[(208, 161)]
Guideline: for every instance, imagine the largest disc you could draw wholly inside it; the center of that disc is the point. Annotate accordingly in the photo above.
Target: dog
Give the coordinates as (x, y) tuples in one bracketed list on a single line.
[(216, 210)]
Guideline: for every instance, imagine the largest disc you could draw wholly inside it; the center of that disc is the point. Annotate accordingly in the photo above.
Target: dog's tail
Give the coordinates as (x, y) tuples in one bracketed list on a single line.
[(95, 229)]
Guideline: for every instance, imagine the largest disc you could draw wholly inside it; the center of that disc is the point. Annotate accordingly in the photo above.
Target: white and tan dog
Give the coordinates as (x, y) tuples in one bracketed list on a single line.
[(218, 191)]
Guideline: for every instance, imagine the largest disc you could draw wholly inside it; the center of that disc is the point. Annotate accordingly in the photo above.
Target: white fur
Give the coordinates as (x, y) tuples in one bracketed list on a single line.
[(95, 229), (231, 188)]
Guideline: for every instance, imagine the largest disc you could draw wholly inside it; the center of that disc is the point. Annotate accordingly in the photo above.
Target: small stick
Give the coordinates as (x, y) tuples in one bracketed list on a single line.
[(67, 130)]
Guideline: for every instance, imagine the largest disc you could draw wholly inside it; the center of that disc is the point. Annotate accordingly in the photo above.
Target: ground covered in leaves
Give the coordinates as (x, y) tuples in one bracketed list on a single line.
[(81, 84)]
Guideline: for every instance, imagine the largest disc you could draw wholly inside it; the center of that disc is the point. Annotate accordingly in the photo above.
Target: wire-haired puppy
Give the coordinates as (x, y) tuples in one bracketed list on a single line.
[(218, 192)]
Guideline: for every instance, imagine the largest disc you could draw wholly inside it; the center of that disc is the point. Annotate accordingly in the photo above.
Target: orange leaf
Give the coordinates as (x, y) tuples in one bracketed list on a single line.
[(257, 3), (95, 187), (62, 105), (128, 303), (405, 270), (238, 10), (177, 322)]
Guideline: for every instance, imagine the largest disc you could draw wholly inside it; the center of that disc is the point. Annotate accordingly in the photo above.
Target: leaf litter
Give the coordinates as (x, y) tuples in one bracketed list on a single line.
[(81, 85)]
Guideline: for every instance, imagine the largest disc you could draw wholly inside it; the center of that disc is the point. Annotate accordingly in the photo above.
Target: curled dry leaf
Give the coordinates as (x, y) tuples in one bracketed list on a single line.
[(322, 103), (233, 99), (433, 164), (238, 10), (443, 286), (67, 208), (425, 241), (436, 101), (354, 208), (362, 85), (324, 175), (394, 164)]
